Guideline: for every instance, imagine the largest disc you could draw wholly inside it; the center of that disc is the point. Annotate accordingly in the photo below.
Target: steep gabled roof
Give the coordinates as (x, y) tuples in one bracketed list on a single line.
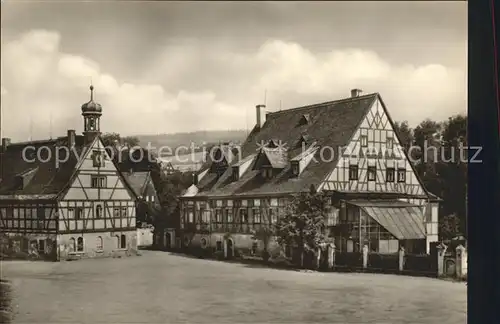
[(43, 176), (331, 124)]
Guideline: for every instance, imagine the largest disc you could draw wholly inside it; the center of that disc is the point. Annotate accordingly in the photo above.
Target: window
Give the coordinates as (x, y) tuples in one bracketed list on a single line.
[(72, 245), (267, 173), (98, 181), (364, 140), (295, 168), (123, 241), (255, 247), (256, 216), (389, 175), (229, 215), (205, 216), (40, 213), (78, 212), (235, 173), (41, 246), (353, 172), (372, 173), (98, 211), (79, 244), (98, 244), (401, 175), (218, 246), (244, 215), (390, 142), (218, 216), (273, 216), (256, 202), (123, 212), (97, 159), (331, 219)]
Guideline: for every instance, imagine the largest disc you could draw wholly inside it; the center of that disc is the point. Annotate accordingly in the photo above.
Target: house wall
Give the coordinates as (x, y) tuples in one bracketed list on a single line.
[(144, 237), (28, 217), (378, 132), (111, 244), (242, 243), (109, 207)]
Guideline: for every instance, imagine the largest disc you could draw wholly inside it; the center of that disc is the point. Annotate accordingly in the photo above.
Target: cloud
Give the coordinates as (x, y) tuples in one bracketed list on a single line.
[(192, 86)]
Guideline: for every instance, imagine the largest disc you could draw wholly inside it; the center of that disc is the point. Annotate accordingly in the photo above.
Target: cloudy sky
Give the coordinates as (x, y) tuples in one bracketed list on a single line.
[(171, 67)]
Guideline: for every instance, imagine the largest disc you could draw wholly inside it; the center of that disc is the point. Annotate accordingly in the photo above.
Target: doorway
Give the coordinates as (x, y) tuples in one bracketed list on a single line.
[(230, 248), (168, 241)]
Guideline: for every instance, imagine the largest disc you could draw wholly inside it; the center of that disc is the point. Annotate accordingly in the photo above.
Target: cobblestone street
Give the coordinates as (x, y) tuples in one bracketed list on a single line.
[(158, 287)]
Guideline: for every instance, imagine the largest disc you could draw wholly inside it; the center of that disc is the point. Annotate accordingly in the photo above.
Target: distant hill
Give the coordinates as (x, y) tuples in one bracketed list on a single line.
[(198, 138)]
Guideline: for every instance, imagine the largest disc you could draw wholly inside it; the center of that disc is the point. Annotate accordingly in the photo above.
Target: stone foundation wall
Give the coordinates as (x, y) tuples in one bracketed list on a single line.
[(92, 247), (242, 243)]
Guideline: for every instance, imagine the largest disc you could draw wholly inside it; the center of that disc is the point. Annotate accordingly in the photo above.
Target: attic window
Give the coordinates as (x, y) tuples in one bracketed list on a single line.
[(304, 140), (305, 119), (267, 173), (295, 168), (272, 144)]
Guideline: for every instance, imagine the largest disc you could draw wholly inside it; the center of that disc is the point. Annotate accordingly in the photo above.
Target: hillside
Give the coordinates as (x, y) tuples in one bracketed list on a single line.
[(185, 139)]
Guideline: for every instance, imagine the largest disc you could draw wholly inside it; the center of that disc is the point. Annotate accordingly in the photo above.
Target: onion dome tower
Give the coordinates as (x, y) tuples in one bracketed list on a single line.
[(91, 112)]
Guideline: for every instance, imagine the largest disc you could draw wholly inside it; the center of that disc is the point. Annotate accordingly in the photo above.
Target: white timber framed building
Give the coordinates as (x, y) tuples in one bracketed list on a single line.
[(377, 199), (76, 205)]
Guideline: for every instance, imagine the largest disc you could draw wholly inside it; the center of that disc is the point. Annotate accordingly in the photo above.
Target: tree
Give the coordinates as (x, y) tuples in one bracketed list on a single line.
[(454, 169), (266, 231), (109, 140), (405, 134), (449, 227), (303, 225), (169, 189)]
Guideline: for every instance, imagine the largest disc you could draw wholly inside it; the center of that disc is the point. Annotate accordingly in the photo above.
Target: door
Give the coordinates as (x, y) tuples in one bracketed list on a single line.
[(168, 241), (229, 249)]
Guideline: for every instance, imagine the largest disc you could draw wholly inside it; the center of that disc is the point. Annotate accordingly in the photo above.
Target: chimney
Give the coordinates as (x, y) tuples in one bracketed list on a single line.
[(71, 138), (261, 117), (5, 144), (355, 93)]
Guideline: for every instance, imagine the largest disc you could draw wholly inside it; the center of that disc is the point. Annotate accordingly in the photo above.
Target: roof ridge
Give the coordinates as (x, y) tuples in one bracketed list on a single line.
[(325, 103)]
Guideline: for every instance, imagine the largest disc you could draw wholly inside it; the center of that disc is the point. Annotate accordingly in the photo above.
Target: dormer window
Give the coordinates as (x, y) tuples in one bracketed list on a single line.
[(305, 119), (295, 168), (267, 173), (272, 143), (303, 140)]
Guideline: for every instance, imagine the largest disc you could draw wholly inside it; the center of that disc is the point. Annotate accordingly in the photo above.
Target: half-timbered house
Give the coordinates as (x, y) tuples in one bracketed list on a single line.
[(65, 197), (348, 148)]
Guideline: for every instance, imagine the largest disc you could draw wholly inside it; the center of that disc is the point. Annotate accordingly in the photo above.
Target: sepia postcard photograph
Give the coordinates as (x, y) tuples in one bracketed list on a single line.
[(234, 162)]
